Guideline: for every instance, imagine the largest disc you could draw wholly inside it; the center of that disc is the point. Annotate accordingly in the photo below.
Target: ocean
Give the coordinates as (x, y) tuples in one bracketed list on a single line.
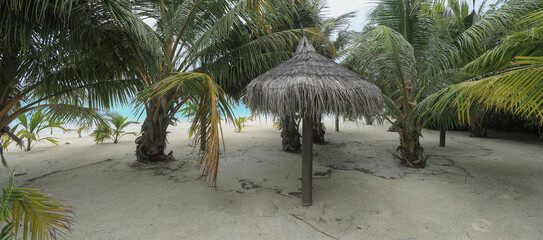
[(134, 115)]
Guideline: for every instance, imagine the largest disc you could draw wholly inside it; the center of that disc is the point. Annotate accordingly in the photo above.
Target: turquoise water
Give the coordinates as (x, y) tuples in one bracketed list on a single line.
[(134, 115)]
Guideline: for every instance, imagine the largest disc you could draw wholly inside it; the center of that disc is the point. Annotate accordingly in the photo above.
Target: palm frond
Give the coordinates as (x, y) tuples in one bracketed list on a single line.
[(33, 214), (386, 58), (213, 103), (518, 90)]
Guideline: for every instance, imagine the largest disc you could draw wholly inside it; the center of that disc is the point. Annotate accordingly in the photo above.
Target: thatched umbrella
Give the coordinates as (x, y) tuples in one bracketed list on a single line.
[(310, 84)]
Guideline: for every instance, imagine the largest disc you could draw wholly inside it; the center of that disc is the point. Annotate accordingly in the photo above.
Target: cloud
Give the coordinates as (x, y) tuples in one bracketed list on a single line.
[(362, 7)]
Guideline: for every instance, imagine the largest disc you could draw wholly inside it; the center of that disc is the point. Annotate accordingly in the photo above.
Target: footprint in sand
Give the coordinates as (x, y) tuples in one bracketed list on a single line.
[(481, 225)]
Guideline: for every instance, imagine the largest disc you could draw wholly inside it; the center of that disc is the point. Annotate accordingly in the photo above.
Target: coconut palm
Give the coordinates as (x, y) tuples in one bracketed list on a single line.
[(113, 129), (35, 215), (86, 127), (507, 77), (395, 47), (198, 49), (411, 37), (118, 123), (54, 52), (33, 125), (389, 59)]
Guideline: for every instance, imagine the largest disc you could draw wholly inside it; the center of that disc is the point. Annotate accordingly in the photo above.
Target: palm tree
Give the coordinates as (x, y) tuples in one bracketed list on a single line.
[(507, 77), (424, 36), (113, 131), (197, 49), (396, 45), (54, 52), (35, 215), (31, 128), (119, 123), (85, 127), (389, 59)]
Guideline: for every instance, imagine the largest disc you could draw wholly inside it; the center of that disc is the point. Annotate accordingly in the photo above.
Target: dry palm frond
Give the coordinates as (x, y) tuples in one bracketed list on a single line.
[(312, 84), (213, 103)]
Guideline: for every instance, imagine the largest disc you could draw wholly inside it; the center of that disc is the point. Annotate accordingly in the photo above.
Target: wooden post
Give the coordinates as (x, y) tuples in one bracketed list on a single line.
[(337, 123), (307, 161), (442, 137)]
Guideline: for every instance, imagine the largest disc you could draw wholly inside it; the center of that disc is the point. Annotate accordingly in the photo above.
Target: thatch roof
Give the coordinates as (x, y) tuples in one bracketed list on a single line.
[(310, 79)]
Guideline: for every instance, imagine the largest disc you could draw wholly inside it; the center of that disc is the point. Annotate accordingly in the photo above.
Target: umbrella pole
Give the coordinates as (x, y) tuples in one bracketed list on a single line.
[(337, 123), (442, 137), (307, 161)]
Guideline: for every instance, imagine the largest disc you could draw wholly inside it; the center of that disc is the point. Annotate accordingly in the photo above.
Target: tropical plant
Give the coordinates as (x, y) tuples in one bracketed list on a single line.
[(102, 133), (35, 215), (33, 125), (290, 134), (410, 49), (5, 141), (388, 58), (396, 46), (86, 127), (239, 123), (197, 49), (507, 77), (54, 52), (318, 130), (189, 110), (113, 130)]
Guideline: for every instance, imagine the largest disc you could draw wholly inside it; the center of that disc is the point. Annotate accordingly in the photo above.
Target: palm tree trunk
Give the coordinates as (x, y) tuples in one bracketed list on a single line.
[(290, 135), (28, 145), (410, 150), (477, 128), (151, 143), (318, 130)]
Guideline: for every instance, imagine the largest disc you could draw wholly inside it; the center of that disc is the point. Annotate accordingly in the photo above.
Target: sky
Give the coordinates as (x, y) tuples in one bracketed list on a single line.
[(334, 9), (362, 7)]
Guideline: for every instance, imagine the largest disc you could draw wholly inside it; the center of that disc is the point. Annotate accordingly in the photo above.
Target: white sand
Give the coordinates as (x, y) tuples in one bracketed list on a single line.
[(472, 189)]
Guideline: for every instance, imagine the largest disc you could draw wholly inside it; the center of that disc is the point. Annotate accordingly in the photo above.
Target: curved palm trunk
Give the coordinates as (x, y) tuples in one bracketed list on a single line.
[(151, 143), (5, 130), (318, 130), (290, 135)]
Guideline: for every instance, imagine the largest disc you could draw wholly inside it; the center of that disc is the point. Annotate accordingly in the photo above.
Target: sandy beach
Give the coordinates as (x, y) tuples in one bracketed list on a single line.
[(472, 189)]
